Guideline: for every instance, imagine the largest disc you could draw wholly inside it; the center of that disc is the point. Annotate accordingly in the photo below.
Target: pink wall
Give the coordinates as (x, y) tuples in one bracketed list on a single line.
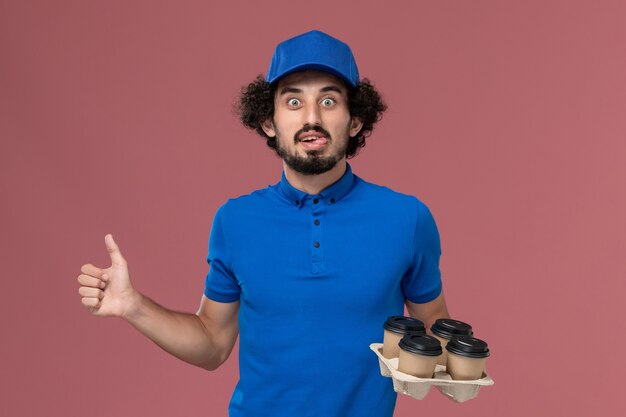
[(506, 118)]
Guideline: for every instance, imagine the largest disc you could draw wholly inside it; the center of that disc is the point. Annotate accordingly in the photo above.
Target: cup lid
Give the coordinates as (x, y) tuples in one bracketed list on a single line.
[(404, 325), (421, 344), (468, 346), (446, 328)]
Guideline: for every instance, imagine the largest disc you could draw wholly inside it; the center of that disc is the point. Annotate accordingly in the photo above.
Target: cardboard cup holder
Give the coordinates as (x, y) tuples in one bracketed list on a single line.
[(458, 391)]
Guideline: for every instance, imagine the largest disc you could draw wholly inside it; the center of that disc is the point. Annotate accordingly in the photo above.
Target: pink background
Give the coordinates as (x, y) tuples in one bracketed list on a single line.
[(506, 118)]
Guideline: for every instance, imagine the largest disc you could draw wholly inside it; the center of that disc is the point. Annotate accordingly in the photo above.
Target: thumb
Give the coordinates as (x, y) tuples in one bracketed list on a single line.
[(114, 250)]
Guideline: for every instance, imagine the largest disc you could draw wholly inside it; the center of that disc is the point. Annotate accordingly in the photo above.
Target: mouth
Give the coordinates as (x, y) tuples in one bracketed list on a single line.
[(313, 138), (312, 141)]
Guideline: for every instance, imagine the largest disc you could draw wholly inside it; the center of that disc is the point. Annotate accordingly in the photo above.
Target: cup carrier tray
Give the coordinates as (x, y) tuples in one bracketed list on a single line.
[(459, 391)]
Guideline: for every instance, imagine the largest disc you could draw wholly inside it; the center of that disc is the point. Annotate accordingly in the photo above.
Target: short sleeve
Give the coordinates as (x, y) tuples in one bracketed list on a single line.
[(221, 284), (422, 281)]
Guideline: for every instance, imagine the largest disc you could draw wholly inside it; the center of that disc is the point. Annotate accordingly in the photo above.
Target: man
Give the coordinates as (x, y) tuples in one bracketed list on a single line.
[(305, 271)]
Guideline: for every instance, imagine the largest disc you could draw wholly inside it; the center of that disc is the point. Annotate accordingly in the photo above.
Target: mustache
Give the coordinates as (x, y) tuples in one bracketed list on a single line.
[(307, 127)]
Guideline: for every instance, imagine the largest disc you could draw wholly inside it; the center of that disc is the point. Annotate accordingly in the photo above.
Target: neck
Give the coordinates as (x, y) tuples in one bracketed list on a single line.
[(314, 184)]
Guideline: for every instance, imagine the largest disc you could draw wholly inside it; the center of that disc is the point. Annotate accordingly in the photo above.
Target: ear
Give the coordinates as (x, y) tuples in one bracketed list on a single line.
[(355, 126), (268, 128)]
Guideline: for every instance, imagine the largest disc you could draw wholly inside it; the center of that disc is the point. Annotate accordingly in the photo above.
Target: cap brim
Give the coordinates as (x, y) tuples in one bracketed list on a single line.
[(312, 66)]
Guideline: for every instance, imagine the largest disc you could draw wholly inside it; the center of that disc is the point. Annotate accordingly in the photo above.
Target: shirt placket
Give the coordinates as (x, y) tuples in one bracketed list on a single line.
[(317, 224)]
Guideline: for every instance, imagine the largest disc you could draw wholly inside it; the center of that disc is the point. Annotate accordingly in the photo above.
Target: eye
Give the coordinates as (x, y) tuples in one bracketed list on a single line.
[(294, 102), (327, 102)]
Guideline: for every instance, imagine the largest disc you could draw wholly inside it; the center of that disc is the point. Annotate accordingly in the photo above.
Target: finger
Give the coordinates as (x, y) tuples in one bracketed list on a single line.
[(89, 281), (114, 251), (91, 292), (89, 269), (90, 302)]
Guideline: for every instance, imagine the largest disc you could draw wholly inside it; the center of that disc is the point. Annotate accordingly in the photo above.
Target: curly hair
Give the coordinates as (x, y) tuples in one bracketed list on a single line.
[(256, 104)]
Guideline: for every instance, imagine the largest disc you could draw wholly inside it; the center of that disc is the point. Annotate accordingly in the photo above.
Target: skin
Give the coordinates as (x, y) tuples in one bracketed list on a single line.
[(430, 311), (314, 98), (206, 338)]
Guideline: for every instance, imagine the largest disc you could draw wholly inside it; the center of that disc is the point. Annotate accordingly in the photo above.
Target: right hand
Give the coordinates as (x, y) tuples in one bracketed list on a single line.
[(107, 292)]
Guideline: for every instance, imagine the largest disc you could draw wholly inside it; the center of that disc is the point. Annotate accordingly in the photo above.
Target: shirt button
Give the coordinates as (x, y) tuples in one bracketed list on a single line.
[(316, 244), (315, 201), (332, 200), (317, 222), (297, 202)]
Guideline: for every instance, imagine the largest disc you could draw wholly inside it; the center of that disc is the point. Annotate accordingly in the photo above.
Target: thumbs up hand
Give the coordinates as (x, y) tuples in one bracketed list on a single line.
[(107, 292)]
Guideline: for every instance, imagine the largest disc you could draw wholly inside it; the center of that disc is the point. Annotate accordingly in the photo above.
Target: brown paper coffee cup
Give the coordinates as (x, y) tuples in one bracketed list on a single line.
[(390, 344), (396, 327), (462, 368), (418, 355), (444, 329), (441, 360), (466, 358)]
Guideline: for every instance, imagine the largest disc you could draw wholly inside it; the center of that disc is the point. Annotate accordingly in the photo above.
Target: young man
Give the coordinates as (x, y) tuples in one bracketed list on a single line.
[(305, 271)]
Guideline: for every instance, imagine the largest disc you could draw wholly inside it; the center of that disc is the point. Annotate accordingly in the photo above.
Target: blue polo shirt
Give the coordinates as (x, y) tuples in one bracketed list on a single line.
[(317, 276)]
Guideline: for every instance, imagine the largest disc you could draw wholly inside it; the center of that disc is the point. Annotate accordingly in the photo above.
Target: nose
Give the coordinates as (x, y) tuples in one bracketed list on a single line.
[(313, 115)]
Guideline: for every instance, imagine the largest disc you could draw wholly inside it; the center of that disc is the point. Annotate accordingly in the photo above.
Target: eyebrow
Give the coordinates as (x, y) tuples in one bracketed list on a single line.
[(331, 88), (326, 89), (286, 90)]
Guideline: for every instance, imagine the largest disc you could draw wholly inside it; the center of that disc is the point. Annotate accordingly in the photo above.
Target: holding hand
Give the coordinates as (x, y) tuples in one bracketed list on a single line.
[(107, 292)]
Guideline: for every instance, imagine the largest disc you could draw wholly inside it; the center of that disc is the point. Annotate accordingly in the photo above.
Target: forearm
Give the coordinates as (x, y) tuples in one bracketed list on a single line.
[(183, 335), (429, 320), (430, 311)]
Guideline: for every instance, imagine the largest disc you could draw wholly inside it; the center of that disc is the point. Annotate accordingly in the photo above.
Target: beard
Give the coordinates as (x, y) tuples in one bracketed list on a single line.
[(314, 163)]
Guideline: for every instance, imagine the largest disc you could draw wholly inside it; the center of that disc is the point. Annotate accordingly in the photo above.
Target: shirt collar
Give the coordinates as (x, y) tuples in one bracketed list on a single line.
[(332, 193)]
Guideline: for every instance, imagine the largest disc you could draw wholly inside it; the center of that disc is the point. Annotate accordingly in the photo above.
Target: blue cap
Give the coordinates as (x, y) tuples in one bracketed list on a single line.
[(313, 50)]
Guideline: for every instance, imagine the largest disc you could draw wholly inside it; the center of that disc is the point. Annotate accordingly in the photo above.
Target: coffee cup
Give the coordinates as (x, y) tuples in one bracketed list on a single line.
[(445, 329), (418, 355), (396, 327), (466, 358)]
